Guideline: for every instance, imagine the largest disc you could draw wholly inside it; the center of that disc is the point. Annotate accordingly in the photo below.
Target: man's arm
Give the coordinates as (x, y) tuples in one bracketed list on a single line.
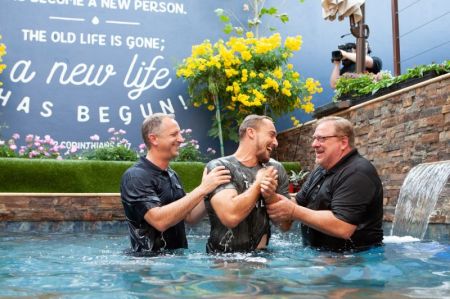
[(323, 221), (167, 216), (335, 74), (232, 208), (352, 56)]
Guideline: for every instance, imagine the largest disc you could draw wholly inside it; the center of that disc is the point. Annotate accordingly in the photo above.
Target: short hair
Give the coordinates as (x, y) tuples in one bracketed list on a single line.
[(152, 125), (251, 121), (342, 127)]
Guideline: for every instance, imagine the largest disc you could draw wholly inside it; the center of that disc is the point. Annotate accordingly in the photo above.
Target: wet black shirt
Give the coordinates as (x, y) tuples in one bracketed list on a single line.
[(352, 190), (145, 186), (247, 234)]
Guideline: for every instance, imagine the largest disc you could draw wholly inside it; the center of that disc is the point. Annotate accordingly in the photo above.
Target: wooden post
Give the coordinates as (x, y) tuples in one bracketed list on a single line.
[(395, 37)]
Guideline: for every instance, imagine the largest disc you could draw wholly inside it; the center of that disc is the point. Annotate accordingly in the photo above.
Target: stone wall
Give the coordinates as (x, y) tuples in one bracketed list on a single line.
[(395, 132), (60, 207)]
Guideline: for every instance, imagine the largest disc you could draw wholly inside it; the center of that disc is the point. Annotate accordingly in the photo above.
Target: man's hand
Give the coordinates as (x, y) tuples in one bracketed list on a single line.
[(269, 184), (216, 177), (282, 210)]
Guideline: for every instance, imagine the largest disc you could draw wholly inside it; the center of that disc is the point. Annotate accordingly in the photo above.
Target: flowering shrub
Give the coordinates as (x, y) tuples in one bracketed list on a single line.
[(2, 53), (246, 75), (35, 147), (39, 148), (8, 148), (190, 149), (118, 149)]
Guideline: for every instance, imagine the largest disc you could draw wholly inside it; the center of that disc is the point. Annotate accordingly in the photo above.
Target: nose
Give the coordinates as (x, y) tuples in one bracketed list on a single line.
[(315, 143), (180, 138), (275, 142)]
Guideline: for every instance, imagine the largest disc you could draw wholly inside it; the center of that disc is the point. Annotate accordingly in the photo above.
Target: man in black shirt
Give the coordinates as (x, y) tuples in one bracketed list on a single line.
[(373, 64), (341, 204), (154, 201)]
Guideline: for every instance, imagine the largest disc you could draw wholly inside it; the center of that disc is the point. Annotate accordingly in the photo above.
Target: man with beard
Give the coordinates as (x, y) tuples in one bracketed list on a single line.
[(154, 201), (237, 212), (341, 204)]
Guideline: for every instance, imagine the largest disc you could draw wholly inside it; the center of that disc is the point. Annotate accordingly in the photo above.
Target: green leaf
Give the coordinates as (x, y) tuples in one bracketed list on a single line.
[(224, 18), (228, 28), (284, 18)]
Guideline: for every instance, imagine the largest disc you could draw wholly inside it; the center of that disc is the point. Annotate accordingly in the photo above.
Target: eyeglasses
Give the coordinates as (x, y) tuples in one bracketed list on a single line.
[(322, 139)]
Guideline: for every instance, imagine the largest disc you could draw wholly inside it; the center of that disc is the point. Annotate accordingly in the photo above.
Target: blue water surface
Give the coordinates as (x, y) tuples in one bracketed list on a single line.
[(93, 264)]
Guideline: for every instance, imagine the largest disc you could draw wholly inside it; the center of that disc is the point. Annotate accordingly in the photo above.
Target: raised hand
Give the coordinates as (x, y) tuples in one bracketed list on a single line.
[(216, 177)]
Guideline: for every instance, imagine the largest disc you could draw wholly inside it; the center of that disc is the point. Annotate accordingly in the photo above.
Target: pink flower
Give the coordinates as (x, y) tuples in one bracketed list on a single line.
[(29, 138), (122, 131), (245, 7), (142, 146), (73, 149), (13, 147), (188, 131), (95, 137), (110, 130), (15, 136)]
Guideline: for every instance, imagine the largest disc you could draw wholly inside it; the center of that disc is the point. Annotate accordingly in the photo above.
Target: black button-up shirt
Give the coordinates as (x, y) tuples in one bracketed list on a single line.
[(145, 186), (352, 190)]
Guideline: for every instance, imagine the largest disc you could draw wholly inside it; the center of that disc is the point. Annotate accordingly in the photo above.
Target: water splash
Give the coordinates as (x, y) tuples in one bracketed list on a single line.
[(418, 196)]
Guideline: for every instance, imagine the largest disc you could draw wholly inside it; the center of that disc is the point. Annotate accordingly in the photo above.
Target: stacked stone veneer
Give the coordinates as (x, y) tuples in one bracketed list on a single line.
[(60, 207), (396, 132)]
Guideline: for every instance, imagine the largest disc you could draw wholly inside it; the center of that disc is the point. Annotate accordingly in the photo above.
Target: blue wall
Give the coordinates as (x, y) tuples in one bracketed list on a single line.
[(36, 106)]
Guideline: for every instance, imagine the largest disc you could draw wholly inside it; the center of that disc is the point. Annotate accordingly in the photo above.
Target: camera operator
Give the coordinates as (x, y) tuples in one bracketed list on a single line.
[(347, 55)]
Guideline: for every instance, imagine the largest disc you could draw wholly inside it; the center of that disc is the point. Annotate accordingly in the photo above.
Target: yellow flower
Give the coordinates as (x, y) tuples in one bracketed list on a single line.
[(278, 73), (293, 43), (211, 107)]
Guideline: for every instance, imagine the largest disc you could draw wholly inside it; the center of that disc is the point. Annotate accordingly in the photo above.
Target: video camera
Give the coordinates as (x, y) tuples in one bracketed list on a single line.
[(337, 55)]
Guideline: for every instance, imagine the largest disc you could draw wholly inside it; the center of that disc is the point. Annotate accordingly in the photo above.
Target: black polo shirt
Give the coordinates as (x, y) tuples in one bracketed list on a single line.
[(145, 186), (352, 190)]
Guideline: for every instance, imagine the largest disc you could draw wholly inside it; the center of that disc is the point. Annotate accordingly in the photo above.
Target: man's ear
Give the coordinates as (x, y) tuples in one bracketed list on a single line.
[(344, 142), (251, 133), (153, 139)]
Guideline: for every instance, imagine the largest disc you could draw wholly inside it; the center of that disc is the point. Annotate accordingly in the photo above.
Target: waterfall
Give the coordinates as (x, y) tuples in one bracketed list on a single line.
[(418, 196)]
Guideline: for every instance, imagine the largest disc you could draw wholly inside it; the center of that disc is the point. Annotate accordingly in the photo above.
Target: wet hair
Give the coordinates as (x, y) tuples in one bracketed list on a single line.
[(251, 121), (152, 124), (342, 127)]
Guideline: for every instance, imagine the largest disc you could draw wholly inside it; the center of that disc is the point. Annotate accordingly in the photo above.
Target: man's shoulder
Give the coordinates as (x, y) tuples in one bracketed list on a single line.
[(223, 161)]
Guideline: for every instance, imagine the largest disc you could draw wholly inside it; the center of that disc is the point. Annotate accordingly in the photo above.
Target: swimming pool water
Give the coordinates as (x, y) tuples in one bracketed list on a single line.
[(93, 265)]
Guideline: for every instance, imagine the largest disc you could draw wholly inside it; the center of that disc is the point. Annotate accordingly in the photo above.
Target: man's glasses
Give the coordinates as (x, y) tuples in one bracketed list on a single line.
[(322, 139)]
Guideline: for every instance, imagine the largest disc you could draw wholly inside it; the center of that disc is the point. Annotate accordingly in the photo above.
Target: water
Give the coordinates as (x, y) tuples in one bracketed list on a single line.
[(418, 196), (93, 265)]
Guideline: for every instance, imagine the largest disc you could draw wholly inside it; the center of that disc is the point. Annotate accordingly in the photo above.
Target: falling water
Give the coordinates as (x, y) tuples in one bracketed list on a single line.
[(418, 196)]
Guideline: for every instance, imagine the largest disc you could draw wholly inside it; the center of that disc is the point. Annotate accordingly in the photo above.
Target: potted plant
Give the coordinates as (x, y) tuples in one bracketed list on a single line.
[(296, 180), (246, 74)]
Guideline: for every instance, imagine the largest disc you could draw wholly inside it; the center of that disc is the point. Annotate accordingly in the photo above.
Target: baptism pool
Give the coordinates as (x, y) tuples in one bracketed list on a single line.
[(93, 265)]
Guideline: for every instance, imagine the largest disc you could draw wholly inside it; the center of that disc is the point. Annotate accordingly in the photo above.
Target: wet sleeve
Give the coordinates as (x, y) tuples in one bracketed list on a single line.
[(138, 193), (210, 166), (352, 197)]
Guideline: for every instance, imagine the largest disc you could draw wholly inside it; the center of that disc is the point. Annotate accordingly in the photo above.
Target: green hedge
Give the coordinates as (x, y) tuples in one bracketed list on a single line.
[(69, 176)]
